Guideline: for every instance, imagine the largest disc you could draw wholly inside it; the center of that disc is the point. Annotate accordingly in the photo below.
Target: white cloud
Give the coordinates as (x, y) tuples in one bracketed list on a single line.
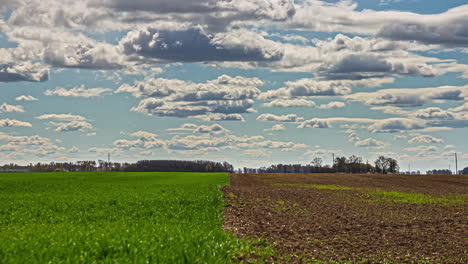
[(370, 143), (410, 97), (26, 98), (146, 140), (425, 139), (312, 87), (72, 126), (194, 44), (11, 108), (333, 105), (277, 127), (13, 123), (290, 103), (274, 118), (78, 92), (61, 117), (224, 95), (24, 71)]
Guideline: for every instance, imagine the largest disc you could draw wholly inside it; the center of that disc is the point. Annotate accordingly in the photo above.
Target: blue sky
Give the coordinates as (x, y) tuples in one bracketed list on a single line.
[(251, 82)]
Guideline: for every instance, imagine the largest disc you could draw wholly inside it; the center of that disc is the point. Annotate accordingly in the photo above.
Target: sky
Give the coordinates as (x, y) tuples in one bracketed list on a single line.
[(251, 82)]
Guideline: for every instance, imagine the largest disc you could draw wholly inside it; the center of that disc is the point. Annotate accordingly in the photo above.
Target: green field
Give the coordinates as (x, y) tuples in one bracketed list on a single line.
[(114, 218)]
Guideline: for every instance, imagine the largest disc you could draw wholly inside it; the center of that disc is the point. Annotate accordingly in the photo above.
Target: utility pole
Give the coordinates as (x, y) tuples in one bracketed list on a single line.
[(108, 157), (456, 164), (333, 162)]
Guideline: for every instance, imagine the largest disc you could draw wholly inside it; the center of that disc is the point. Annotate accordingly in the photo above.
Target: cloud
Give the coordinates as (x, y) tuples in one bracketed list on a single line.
[(78, 92), (425, 139), (213, 129), (25, 71), (96, 56), (146, 140), (221, 117), (26, 98), (277, 127), (61, 117), (449, 31), (72, 126), (370, 143), (24, 147), (332, 105), (422, 149), (394, 125), (410, 97), (359, 66), (168, 97), (434, 113), (275, 118), (327, 122), (315, 123), (13, 123), (11, 108), (313, 87), (74, 149), (290, 103), (194, 44), (344, 16)]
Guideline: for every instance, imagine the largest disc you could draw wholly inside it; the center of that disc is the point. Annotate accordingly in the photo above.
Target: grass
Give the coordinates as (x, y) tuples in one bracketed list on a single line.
[(115, 218), (417, 198), (317, 186), (377, 195)]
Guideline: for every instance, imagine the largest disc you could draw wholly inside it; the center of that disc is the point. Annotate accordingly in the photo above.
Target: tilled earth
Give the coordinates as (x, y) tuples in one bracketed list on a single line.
[(350, 225)]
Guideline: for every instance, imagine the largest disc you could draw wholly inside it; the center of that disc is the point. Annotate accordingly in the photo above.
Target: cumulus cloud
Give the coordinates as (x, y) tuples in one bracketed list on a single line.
[(313, 87), (370, 143), (212, 129), (26, 71), (97, 56), (290, 103), (13, 123), (11, 108), (394, 125), (425, 139), (194, 44), (410, 97), (26, 98), (61, 117), (277, 127), (327, 122), (315, 123), (274, 118), (332, 105), (19, 147), (167, 97), (447, 29), (78, 92), (145, 140), (221, 117), (72, 126), (359, 66)]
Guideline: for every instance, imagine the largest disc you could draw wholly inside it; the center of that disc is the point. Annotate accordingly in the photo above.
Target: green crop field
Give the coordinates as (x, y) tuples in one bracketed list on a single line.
[(114, 218)]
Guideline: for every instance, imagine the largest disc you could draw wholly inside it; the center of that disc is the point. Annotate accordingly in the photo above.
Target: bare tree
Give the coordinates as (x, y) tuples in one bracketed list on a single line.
[(317, 162), (382, 164)]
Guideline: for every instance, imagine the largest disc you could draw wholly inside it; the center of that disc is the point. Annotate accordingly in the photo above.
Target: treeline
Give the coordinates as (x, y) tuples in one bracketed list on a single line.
[(352, 164), (140, 166)]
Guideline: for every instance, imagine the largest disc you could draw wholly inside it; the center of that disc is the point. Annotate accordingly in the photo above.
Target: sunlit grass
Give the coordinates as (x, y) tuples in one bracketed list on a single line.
[(417, 198), (115, 218), (379, 195)]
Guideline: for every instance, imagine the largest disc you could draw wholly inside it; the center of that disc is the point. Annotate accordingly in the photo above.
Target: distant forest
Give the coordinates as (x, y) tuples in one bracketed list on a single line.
[(352, 164), (140, 166)]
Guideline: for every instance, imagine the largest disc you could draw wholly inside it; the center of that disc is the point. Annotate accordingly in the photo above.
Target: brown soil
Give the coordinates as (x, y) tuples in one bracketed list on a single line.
[(307, 224)]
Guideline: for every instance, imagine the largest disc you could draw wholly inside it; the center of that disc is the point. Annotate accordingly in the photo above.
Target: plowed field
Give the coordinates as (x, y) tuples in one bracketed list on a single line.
[(338, 218)]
